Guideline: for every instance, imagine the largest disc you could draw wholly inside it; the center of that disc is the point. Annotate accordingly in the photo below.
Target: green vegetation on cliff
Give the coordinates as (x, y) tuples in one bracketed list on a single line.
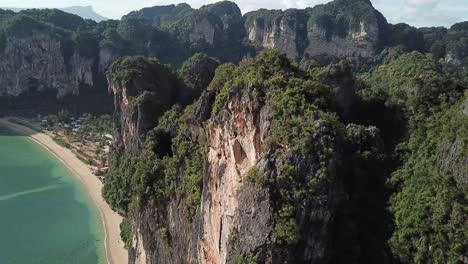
[(129, 69), (429, 202), (58, 18), (430, 205), (194, 78), (152, 177), (212, 29), (74, 33), (414, 81), (171, 160), (162, 16), (341, 16)]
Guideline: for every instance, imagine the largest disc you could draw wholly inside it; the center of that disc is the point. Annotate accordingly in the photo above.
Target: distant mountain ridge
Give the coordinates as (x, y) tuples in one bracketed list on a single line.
[(86, 12), (324, 33)]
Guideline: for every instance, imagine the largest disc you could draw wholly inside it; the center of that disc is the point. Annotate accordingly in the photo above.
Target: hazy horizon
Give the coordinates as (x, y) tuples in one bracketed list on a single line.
[(419, 13)]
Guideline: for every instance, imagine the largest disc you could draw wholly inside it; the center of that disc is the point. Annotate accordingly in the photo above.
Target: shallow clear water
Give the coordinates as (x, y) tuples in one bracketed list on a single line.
[(45, 214)]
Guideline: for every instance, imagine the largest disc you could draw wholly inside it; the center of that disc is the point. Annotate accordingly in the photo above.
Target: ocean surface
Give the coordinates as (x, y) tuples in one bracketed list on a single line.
[(45, 215)]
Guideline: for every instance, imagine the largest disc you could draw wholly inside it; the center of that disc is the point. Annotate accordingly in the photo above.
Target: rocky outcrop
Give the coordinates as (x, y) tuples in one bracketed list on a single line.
[(282, 33), (341, 28), (217, 25), (203, 30), (238, 190), (130, 121), (361, 42), (458, 55), (143, 90), (214, 29), (36, 63), (457, 45)]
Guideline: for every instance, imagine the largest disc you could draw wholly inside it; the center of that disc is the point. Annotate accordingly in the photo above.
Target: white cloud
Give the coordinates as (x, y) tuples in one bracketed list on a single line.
[(424, 4), (422, 13), (302, 3)]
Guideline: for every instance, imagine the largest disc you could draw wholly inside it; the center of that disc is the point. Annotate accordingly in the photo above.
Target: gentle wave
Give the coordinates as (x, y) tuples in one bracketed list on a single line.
[(33, 191)]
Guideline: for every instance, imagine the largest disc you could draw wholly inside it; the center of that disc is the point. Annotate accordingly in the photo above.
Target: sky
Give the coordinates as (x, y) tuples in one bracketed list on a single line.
[(418, 13)]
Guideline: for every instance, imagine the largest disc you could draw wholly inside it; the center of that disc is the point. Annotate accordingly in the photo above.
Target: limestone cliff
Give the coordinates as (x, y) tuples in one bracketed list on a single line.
[(341, 28), (36, 63), (138, 85), (231, 178), (213, 28), (458, 54), (50, 50), (43, 52)]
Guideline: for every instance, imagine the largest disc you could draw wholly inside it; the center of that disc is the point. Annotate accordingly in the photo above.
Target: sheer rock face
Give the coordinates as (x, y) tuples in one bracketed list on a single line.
[(36, 63), (286, 37), (355, 43), (281, 36), (150, 244), (236, 217), (458, 54), (219, 25), (128, 116), (235, 142), (106, 58), (135, 112), (203, 30)]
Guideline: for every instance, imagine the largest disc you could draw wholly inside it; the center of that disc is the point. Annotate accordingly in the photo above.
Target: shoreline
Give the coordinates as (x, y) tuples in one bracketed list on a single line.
[(110, 220)]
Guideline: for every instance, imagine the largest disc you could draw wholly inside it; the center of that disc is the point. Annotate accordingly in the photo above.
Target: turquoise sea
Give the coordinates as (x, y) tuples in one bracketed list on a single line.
[(45, 215)]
